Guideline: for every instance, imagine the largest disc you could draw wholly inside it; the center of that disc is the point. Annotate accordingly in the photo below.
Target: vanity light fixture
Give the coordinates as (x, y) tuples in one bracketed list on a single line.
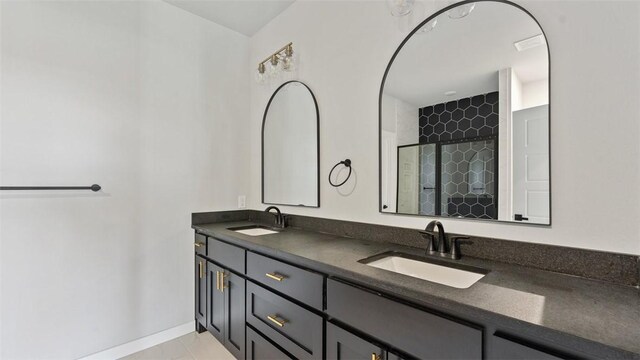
[(530, 43), (282, 60)]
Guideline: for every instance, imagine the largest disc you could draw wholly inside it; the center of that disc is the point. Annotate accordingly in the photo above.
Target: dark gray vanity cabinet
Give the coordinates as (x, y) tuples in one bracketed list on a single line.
[(343, 345), (201, 292), (225, 310)]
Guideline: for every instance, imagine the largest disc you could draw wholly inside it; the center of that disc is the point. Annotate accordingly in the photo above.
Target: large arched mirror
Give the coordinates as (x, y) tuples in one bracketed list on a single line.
[(464, 117), (290, 147)]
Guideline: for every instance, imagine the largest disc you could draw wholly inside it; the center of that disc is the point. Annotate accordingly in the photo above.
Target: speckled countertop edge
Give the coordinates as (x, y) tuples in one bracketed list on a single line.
[(562, 309)]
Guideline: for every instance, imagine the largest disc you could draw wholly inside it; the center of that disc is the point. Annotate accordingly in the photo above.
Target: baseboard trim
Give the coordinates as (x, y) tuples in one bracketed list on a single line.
[(146, 342)]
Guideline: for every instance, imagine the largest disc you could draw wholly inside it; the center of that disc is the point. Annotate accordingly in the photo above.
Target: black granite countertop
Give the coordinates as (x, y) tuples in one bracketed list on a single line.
[(599, 318)]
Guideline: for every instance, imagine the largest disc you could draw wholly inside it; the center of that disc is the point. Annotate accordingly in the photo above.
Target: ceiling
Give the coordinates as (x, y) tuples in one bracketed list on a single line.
[(464, 55), (243, 16)]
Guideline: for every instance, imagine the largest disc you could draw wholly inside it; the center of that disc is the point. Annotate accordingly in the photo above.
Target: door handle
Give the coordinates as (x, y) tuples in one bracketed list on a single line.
[(274, 276), (519, 217), (274, 319), (222, 276)]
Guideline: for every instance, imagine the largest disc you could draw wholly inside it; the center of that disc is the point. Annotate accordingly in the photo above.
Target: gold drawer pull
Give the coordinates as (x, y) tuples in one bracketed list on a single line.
[(375, 356), (274, 319), (275, 276), (201, 269), (198, 244)]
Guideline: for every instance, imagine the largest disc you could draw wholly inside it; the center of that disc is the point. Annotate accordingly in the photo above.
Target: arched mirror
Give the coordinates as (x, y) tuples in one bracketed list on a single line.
[(464, 117), (290, 147)]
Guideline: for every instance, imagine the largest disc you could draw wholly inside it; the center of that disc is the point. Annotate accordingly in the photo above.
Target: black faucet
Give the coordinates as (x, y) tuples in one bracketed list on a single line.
[(280, 219), (442, 247)]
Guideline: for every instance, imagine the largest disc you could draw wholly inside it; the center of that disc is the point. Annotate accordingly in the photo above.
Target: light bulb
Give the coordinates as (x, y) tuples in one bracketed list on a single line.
[(430, 25), (261, 76), (461, 11), (400, 7)]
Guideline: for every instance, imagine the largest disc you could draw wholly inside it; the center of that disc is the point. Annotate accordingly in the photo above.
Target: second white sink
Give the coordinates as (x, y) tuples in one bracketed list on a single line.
[(440, 274), (253, 230)]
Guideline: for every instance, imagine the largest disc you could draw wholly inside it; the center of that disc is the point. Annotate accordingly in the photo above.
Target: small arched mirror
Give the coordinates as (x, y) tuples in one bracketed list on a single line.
[(464, 117), (290, 147)]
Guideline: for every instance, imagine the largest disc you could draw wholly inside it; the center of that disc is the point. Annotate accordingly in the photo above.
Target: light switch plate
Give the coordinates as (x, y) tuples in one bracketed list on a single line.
[(242, 201)]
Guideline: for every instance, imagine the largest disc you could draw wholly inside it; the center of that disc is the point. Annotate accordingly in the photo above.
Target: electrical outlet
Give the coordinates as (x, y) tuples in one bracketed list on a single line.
[(242, 201)]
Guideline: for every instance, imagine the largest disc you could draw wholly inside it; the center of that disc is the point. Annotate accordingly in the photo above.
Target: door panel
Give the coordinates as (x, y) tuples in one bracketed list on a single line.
[(343, 345), (201, 290), (531, 164), (215, 302), (234, 297), (259, 348), (408, 179)]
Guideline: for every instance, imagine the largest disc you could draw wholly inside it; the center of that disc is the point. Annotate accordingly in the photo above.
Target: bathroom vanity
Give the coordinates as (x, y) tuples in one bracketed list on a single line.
[(463, 134), (301, 294)]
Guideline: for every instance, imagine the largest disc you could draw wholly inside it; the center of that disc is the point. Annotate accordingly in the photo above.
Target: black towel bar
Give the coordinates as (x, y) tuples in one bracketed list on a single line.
[(94, 187)]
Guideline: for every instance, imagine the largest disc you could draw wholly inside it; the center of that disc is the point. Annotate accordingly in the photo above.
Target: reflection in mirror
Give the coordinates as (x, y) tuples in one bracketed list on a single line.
[(290, 147), (464, 118)]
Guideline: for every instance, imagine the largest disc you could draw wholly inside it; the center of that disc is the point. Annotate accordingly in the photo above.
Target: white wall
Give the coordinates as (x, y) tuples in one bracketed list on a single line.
[(595, 52), (535, 93), (145, 99)]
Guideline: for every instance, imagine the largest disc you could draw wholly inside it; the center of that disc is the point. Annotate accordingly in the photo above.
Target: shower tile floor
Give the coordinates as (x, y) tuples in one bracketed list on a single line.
[(192, 346)]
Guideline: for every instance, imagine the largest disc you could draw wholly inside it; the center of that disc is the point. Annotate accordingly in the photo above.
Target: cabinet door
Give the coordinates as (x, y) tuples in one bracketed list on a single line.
[(233, 288), (343, 345), (258, 348), (201, 291), (215, 301)]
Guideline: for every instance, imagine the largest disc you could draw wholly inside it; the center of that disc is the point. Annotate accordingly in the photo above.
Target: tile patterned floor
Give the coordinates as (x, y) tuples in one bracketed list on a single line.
[(192, 346)]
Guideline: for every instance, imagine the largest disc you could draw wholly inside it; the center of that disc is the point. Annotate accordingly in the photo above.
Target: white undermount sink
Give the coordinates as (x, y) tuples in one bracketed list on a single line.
[(253, 230), (441, 274)]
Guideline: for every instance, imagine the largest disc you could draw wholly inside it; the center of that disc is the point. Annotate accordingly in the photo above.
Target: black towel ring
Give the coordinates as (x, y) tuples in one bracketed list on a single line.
[(346, 163)]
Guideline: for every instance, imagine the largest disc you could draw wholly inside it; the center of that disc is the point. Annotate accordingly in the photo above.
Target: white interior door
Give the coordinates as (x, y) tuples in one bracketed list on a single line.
[(531, 164), (408, 179), (389, 171)]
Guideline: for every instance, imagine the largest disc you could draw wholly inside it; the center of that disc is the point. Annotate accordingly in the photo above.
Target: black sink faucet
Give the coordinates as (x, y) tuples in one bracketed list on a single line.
[(442, 248), (441, 245), (280, 223)]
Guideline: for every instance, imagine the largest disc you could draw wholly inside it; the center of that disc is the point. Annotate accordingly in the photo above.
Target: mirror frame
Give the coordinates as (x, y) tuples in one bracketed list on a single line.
[(384, 78), (264, 120)]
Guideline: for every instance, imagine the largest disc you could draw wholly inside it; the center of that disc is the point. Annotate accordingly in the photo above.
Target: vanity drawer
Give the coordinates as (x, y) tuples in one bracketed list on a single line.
[(503, 348), (414, 331), (295, 329), (259, 348), (200, 244), (232, 257), (302, 285)]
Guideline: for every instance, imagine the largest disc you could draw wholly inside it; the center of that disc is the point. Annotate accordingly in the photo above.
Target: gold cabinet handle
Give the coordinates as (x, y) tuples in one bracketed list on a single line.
[(217, 280), (201, 269), (222, 276), (198, 244), (274, 276), (375, 356), (274, 319)]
